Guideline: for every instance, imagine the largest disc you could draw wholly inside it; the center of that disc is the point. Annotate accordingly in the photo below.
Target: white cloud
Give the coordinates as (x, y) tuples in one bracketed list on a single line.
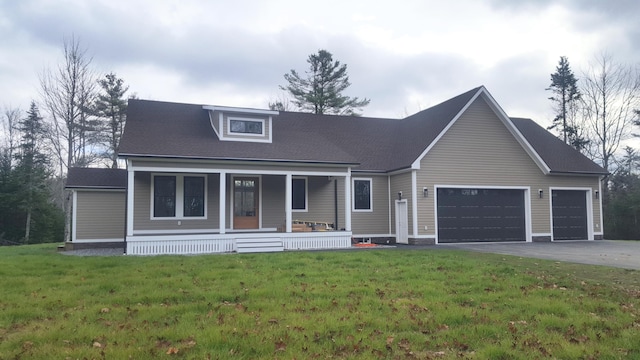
[(404, 56)]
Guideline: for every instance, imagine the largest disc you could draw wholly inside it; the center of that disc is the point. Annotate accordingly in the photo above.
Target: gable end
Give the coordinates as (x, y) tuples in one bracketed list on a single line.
[(493, 105)]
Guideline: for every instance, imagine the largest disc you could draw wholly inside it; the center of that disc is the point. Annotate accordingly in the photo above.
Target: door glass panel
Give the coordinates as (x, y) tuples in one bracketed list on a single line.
[(244, 203)]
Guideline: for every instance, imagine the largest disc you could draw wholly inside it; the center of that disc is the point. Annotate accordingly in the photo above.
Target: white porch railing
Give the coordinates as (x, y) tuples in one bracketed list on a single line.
[(224, 243), (317, 240)]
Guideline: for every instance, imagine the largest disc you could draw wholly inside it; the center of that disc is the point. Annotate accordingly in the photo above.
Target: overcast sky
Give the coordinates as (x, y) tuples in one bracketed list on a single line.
[(403, 55)]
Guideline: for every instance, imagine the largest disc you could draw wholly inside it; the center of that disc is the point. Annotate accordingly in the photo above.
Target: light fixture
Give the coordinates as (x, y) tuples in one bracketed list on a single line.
[(399, 195), (597, 194), (425, 192), (540, 193)]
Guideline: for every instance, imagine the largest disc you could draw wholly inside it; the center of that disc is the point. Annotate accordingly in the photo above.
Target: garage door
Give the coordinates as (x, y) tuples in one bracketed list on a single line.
[(480, 215), (569, 209)]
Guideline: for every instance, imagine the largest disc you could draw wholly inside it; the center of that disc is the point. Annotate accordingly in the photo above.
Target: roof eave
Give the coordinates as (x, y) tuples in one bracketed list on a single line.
[(90, 187), (287, 161), (585, 173)]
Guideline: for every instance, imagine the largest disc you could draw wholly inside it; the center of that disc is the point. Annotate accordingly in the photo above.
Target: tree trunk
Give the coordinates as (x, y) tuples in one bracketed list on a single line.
[(27, 229)]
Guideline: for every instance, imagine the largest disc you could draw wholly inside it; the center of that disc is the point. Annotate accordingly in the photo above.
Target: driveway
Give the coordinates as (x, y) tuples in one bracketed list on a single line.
[(621, 254)]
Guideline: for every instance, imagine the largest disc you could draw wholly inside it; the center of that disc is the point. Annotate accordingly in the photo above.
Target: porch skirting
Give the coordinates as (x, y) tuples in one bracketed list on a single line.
[(236, 242)]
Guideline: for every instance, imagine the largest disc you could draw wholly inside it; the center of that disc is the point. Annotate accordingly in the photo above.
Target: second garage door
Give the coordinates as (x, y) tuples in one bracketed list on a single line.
[(569, 208), (480, 215)]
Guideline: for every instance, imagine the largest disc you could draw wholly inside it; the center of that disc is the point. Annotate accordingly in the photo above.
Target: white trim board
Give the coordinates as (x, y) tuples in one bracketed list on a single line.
[(85, 241)]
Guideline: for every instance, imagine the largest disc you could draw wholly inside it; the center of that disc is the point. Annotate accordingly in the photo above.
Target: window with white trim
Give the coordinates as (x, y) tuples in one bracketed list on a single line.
[(246, 126), (362, 195), (299, 194), (178, 196)]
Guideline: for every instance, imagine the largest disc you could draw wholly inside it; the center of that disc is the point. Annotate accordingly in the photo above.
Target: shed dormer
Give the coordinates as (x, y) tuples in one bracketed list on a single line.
[(241, 124)]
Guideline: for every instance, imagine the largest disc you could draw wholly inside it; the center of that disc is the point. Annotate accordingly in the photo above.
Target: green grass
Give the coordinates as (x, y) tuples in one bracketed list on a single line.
[(372, 304)]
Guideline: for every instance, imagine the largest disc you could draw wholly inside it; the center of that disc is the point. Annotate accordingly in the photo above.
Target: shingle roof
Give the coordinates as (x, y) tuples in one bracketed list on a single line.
[(183, 130), (560, 157), (96, 178), (173, 130)]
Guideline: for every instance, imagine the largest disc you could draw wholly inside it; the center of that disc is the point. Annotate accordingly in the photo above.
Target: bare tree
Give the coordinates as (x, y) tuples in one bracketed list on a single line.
[(67, 93), (281, 103), (610, 93), (9, 123)]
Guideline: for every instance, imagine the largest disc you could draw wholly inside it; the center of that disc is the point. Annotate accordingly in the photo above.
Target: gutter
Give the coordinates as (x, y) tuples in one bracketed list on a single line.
[(286, 161)]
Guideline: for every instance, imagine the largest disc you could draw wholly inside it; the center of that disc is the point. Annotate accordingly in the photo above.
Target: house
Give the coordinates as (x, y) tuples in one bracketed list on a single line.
[(203, 179)]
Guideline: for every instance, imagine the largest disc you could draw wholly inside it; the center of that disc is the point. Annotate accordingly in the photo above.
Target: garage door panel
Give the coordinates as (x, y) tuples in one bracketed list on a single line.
[(569, 209), (480, 215)]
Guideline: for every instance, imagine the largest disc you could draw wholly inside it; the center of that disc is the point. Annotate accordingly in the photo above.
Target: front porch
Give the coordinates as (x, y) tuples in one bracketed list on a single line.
[(197, 208)]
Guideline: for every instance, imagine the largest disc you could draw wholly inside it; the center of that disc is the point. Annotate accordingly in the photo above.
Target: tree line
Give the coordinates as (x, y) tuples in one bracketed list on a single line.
[(84, 119), (85, 113), (596, 114)]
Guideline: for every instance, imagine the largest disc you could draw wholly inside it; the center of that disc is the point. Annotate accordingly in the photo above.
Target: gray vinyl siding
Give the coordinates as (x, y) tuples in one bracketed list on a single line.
[(273, 212), (376, 221), (142, 207), (321, 205), (478, 150), (100, 215), (401, 182)]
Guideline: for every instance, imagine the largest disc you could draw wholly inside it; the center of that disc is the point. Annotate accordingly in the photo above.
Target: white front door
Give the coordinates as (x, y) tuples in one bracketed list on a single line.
[(402, 223)]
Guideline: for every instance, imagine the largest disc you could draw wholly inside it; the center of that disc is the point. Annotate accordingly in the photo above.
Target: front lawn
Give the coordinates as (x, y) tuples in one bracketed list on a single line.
[(371, 304)]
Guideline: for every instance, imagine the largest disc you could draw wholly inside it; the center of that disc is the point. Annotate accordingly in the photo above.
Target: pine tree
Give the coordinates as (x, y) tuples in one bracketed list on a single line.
[(111, 106), (320, 92), (565, 98), (32, 167)]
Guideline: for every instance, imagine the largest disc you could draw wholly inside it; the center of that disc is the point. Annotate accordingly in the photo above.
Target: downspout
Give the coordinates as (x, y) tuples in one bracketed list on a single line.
[(335, 203), (126, 215)]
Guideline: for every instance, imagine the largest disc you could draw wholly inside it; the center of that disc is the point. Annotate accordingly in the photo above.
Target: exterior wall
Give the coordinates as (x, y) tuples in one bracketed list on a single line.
[(401, 182), (478, 150), (321, 202), (273, 213), (100, 215), (374, 222), (142, 208)]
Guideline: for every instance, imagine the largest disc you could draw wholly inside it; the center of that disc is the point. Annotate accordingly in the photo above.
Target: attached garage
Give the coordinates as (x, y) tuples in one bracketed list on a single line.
[(481, 215), (569, 214)]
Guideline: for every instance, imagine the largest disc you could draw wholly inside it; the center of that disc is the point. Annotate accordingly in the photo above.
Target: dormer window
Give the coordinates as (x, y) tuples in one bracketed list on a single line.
[(241, 124), (246, 126)]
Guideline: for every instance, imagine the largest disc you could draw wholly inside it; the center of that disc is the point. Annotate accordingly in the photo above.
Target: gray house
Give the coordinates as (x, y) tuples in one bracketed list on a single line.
[(204, 179)]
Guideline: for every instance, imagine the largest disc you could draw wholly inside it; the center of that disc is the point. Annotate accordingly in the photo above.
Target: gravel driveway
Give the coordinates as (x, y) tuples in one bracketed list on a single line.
[(622, 254)]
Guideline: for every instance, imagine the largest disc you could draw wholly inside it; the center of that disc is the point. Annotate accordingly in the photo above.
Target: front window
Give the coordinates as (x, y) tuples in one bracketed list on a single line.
[(299, 194), (193, 196), (362, 194), (178, 196), (242, 126), (164, 196)]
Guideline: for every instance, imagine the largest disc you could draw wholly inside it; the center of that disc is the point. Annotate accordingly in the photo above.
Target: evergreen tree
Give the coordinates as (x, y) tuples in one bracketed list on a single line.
[(111, 106), (565, 97), (31, 168), (321, 90)]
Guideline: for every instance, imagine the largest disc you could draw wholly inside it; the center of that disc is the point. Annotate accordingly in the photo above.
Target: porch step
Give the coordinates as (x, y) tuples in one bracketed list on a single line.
[(259, 245)]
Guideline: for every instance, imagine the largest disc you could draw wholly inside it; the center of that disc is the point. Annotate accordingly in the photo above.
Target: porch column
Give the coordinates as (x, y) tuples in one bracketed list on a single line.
[(347, 201), (223, 196), (288, 218), (130, 186)]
